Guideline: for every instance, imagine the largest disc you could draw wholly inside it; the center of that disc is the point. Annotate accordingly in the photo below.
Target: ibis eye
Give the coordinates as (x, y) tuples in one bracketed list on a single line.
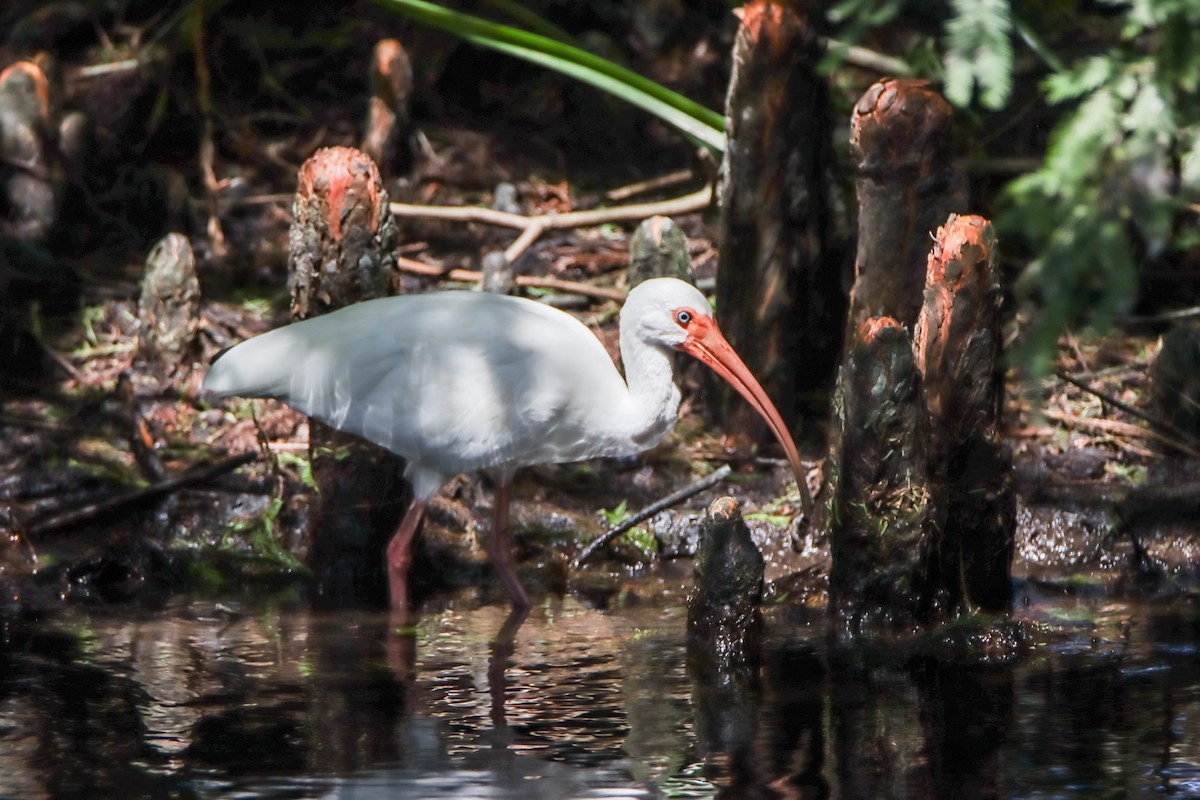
[(683, 317)]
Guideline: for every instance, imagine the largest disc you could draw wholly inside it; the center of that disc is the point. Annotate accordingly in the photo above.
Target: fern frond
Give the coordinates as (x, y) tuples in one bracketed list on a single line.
[(979, 52)]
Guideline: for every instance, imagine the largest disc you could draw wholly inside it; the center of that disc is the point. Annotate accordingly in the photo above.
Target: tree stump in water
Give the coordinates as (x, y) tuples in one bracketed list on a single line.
[(875, 471), (908, 182), (724, 633), (921, 512), (780, 300), (342, 251), (972, 503)]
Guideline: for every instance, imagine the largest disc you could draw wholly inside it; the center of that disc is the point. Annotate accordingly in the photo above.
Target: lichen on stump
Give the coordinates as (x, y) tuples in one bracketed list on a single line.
[(169, 305), (658, 249)]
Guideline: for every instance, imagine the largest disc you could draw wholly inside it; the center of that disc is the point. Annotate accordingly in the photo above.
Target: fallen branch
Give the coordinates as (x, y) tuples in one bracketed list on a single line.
[(1114, 427), (534, 225), (474, 276), (641, 187), (1164, 427), (648, 512), (93, 511)]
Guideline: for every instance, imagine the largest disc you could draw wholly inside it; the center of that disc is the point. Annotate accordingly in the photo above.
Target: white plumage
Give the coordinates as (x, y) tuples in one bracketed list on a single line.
[(464, 381)]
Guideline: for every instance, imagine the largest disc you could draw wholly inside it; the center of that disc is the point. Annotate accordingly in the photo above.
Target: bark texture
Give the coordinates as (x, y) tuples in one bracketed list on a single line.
[(342, 240), (957, 340), (169, 304), (342, 252), (908, 182), (728, 589), (29, 178), (658, 249), (780, 301), (1176, 386), (878, 494), (386, 138), (724, 635), (39, 152), (921, 511)]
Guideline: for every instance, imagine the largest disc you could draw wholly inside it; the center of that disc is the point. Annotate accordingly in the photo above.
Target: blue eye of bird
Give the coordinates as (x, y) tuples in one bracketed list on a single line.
[(683, 317)]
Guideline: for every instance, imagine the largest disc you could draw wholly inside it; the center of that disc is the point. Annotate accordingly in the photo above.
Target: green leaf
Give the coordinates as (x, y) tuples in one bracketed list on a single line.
[(979, 52), (1075, 83), (702, 124)]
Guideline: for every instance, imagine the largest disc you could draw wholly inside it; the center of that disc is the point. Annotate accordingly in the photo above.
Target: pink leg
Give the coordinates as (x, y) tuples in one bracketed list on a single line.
[(498, 549), (399, 558)]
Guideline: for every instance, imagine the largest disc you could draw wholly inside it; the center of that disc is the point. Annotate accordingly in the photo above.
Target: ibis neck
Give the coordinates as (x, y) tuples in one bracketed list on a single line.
[(653, 395)]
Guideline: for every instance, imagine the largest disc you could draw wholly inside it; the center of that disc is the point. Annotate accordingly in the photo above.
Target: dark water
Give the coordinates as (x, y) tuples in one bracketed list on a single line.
[(204, 700)]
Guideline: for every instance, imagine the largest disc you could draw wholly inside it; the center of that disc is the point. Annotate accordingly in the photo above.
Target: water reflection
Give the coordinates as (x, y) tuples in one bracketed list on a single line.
[(205, 701)]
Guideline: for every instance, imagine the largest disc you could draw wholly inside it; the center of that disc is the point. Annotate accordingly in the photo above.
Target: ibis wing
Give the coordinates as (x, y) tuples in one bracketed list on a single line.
[(454, 381)]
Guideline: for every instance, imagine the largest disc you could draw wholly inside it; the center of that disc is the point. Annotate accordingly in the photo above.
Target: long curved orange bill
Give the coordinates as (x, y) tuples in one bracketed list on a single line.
[(706, 343)]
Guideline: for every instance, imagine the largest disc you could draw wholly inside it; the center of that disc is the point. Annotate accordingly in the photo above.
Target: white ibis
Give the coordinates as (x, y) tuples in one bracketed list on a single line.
[(462, 381)]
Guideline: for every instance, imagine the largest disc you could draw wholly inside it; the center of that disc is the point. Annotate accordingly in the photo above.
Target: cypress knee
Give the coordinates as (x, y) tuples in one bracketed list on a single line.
[(342, 252), (908, 181), (780, 299), (878, 497), (958, 339)]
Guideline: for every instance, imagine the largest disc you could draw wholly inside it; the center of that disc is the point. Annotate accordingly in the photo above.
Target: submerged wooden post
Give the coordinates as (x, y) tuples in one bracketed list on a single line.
[(342, 251), (972, 502), (780, 299), (908, 181)]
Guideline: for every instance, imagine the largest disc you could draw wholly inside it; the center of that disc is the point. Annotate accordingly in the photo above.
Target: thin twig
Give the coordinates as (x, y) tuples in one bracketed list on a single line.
[(523, 242), (532, 227), (696, 201), (474, 276), (653, 184), (98, 70), (1166, 316), (1114, 427), (257, 200), (648, 512), (208, 147), (1162, 425), (93, 511), (869, 59)]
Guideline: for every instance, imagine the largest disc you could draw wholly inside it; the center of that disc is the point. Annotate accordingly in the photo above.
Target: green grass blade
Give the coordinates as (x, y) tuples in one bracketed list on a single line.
[(531, 20), (703, 124)]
